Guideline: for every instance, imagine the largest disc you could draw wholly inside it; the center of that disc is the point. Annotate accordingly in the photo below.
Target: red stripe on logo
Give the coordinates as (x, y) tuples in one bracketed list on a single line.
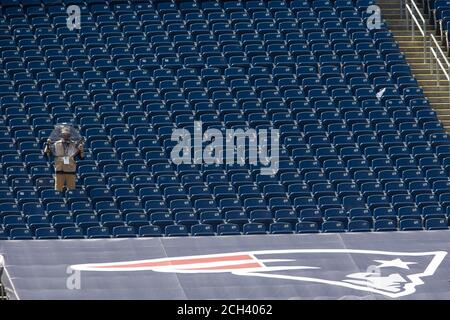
[(176, 262), (227, 267)]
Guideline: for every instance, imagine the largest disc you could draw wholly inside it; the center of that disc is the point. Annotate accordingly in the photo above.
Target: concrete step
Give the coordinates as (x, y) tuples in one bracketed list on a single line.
[(443, 86), (441, 105), (411, 47), (405, 33), (442, 108), (421, 77), (423, 71), (443, 96), (429, 88), (410, 44), (439, 94), (421, 64), (438, 100), (444, 99), (414, 61)]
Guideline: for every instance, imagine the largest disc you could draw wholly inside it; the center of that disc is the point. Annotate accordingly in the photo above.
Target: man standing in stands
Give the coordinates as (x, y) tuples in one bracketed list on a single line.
[(64, 150)]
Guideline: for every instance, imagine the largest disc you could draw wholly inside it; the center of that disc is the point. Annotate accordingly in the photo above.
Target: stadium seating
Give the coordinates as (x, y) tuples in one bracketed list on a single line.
[(137, 70)]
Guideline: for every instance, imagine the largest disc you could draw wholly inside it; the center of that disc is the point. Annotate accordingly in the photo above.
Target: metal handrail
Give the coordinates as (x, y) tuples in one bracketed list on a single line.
[(440, 64), (413, 10), (433, 38), (415, 20), (418, 11), (437, 57)]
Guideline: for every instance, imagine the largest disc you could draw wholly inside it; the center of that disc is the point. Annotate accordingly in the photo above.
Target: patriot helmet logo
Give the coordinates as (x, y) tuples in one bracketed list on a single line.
[(392, 274)]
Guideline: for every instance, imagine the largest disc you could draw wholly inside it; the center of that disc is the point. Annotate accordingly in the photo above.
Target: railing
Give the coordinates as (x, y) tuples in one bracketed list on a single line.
[(411, 10), (440, 61), (437, 58)]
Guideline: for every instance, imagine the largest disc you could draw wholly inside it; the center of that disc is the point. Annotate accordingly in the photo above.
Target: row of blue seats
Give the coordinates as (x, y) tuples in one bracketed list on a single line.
[(410, 177), (204, 45), (207, 42), (224, 229), (378, 120), (259, 72), (320, 109), (342, 154), (144, 185), (331, 130), (122, 190), (405, 168), (235, 79), (351, 119), (381, 171), (190, 67), (110, 216), (185, 32), (53, 8), (260, 67)]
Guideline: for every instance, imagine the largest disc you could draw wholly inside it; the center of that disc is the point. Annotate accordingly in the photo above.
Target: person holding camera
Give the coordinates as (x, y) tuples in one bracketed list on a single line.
[(65, 150)]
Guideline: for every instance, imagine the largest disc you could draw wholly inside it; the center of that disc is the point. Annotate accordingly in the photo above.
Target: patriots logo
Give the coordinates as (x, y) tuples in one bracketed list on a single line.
[(392, 274)]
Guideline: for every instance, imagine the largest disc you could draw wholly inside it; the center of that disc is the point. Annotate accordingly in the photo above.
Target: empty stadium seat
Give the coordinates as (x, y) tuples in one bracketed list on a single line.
[(202, 230), (149, 231), (228, 229), (333, 226)]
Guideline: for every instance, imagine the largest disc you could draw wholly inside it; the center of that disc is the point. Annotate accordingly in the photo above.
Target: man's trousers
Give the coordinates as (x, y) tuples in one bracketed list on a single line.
[(65, 179)]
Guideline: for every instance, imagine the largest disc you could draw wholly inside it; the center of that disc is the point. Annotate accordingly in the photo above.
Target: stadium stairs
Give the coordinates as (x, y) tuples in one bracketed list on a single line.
[(435, 87)]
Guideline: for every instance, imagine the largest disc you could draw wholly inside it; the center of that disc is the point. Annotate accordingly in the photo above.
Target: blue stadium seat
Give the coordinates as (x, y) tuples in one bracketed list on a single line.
[(358, 226), (385, 225), (333, 226), (149, 231), (306, 227), (123, 232), (280, 227), (436, 224), (254, 228), (3, 235), (202, 230), (176, 231), (72, 233), (20, 234), (98, 233), (228, 229), (46, 233), (411, 224)]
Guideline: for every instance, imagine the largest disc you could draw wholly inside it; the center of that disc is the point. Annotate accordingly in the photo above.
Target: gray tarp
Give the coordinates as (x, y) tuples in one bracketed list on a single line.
[(405, 265)]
